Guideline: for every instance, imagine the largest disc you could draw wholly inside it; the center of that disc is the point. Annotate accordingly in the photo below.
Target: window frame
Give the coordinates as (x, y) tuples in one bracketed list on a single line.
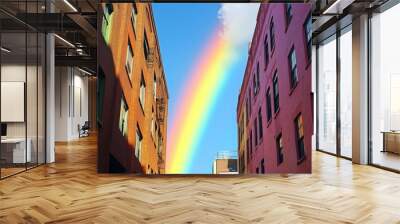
[(308, 37), (247, 110), (279, 149), (299, 131), (123, 116), (129, 64), (255, 122), (275, 88), (142, 92), (269, 105), (266, 52), (272, 34), (293, 71), (256, 80), (251, 143), (155, 86), (288, 16), (134, 16), (138, 144), (260, 126), (262, 165), (146, 47)]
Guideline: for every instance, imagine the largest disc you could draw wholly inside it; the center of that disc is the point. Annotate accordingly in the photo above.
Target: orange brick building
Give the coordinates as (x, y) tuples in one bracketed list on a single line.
[(132, 91)]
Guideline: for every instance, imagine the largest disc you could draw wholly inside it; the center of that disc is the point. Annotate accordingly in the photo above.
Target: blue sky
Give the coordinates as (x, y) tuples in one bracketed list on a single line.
[(183, 29)]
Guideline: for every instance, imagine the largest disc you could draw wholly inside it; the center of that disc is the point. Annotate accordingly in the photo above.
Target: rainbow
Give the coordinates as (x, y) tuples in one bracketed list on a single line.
[(196, 102)]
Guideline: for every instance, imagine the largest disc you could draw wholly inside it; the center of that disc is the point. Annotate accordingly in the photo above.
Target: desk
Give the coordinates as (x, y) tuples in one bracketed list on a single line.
[(391, 141), (13, 150)]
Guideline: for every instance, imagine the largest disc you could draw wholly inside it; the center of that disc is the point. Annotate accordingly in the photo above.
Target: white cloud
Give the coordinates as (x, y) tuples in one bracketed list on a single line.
[(239, 21)]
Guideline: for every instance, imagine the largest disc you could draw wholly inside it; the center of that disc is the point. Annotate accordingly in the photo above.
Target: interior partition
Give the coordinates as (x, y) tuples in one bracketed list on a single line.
[(385, 89), (22, 101)]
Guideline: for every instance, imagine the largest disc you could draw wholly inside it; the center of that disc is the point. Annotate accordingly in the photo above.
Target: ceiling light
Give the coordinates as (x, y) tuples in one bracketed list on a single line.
[(331, 7), (84, 71), (64, 40), (5, 50), (338, 6), (70, 5)]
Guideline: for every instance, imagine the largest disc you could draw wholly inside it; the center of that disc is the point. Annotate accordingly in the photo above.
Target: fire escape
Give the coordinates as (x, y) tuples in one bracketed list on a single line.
[(160, 116), (150, 57)]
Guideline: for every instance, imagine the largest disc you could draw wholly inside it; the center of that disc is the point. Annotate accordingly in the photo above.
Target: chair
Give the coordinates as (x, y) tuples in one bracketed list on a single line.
[(84, 130)]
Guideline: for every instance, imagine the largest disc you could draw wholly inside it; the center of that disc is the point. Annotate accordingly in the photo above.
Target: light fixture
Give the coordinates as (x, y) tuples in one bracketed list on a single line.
[(70, 5), (5, 50), (337, 7), (326, 11), (84, 71), (64, 40)]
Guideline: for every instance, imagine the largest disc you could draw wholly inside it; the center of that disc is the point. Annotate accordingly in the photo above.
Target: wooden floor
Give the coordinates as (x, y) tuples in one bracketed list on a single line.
[(70, 191)]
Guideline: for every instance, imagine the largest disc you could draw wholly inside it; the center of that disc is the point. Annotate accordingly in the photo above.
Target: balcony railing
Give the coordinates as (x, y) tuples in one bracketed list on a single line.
[(150, 57), (160, 109)]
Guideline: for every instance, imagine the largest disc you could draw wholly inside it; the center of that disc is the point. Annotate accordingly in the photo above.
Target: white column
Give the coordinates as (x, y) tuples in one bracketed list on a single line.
[(50, 99), (360, 90)]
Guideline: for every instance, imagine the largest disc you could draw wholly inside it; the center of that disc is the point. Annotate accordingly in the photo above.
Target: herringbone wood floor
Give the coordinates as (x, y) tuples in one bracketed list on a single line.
[(70, 191)]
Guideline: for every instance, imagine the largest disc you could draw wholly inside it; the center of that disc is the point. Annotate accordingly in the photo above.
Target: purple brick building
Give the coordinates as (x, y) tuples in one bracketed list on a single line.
[(275, 111)]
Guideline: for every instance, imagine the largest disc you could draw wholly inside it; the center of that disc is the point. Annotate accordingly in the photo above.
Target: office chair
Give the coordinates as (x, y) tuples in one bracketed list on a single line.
[(84, 130)]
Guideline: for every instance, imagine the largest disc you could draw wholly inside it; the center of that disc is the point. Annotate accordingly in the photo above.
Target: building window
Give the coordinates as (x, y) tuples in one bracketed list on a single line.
[(276, 92), (308, 35), (260, 127), (300, 137), (241, 162), (107, 10), (129, 60), (155, 86), (269, 111), (248, 150), (279, 149), (326, 100), (266, 52), (106, 23), (134, 14), (146, 47), (251, 143), (250, 102), (255, 132), (258, 76), (247, 111), (142, 93), (152, 126), (272, 34), (293, 68), (241, 129), (262, 165), (138, 145), (289, 13), (123, 117), (256, 79)]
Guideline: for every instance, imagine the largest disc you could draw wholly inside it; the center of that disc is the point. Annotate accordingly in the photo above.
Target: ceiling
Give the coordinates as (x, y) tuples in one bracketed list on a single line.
[(74, 22), (330, 15)]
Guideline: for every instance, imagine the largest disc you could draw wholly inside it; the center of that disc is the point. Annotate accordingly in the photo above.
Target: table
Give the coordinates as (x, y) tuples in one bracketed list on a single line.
[(13, 150)]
